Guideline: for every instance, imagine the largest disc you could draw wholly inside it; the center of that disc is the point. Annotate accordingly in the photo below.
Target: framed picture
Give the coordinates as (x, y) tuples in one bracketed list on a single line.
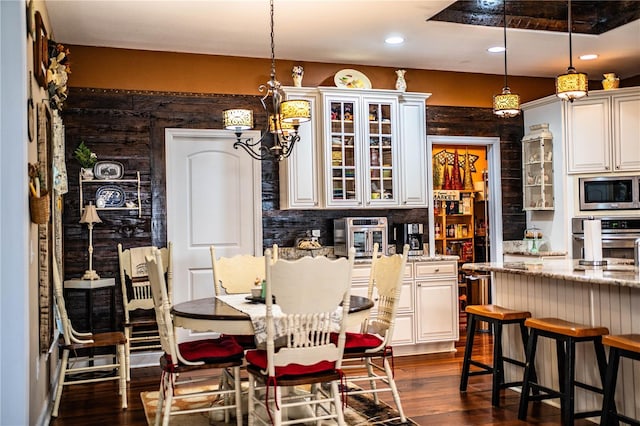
[(40, 52)]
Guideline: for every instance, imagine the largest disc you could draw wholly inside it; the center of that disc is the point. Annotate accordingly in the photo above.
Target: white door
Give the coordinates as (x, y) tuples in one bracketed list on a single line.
[(213, 198)]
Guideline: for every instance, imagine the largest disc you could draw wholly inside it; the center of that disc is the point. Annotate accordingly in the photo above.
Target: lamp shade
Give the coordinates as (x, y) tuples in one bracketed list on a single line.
[(572, 85), (90, 215), (295, 111), (237, 119), (278, 126), (506, 104)]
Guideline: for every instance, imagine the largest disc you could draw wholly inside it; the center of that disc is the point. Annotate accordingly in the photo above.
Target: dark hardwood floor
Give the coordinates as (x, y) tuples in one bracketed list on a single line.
[(428, 385)]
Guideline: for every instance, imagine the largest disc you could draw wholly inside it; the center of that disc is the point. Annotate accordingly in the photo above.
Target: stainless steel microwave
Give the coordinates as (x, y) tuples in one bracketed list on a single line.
[(609, 193), (361, 233)]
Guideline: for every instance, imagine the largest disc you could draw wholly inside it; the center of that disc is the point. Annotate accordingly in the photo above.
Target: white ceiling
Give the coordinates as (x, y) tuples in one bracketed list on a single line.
[(338, 31)]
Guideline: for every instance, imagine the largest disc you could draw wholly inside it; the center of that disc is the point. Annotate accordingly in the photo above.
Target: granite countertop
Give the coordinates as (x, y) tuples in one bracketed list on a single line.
[(537, 254), (619, 272), (292, 253)]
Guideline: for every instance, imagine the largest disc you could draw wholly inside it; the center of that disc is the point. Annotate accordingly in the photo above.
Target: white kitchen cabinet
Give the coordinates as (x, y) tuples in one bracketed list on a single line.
[(427, 316), (413, 150), (300, 174), (361, 149), (537, 168), (436, 285), (604, 132)]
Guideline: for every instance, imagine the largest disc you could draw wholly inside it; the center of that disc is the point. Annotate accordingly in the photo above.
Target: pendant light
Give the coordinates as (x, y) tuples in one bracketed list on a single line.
[(506, 104), (282, 117), (572, 85)]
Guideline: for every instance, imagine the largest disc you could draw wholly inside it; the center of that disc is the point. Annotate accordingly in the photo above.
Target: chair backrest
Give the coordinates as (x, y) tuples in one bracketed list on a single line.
[(161, 303), (386, 278), (133, 270), (238, 274), (309, 292)]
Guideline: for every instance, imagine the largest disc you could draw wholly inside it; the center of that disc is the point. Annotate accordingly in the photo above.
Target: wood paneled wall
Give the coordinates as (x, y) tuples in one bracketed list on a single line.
[(128, 126)]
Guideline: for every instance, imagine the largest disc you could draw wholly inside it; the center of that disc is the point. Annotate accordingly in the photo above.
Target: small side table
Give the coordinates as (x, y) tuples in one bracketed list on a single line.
[(89, 287)]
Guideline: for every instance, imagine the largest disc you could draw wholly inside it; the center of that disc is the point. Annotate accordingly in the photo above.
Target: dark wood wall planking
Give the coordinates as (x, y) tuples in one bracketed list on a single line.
[(128, 127)]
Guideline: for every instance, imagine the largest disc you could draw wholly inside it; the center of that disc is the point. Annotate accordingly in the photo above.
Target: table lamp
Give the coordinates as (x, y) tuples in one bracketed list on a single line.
[(90, 216)]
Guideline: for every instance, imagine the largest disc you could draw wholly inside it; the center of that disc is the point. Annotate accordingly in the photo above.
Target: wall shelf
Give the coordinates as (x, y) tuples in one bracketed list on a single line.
[(93, 185)]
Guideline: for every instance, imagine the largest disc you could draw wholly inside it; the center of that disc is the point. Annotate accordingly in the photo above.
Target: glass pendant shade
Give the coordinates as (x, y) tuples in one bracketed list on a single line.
[(572, 85), (295, 111), (506, 104), (237, 119)]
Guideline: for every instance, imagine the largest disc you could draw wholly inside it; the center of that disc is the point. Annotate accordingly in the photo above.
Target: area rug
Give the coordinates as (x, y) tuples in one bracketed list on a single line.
[(360, 411)]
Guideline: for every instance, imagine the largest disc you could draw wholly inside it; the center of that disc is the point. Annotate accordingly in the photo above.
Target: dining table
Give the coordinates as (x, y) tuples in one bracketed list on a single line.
[(212, 314)]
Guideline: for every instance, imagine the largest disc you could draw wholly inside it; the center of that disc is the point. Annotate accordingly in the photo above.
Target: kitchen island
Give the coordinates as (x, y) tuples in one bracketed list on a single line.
[(608, 297)]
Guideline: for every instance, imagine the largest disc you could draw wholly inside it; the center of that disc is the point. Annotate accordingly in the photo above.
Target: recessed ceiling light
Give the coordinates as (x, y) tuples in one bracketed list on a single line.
[(496, 49), (396, 39), (589, 57)]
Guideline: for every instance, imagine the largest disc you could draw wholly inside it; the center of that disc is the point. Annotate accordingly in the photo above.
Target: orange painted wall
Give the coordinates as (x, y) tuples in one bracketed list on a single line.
[(109, 68)]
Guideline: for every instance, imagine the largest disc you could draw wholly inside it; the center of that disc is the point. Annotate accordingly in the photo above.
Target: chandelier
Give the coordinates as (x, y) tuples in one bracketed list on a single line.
[(506, 104), (283, 118), (572, 85)]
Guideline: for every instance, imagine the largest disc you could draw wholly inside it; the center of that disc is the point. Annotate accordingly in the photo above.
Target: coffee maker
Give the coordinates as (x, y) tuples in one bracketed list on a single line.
[(409, 233)]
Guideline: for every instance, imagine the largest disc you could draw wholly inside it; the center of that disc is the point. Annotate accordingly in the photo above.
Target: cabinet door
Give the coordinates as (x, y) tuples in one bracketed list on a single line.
[(626, 132), (380, 162), (589, 139), (437, 310), (342, 151), (413, 153), (300, 174), (403, 330)]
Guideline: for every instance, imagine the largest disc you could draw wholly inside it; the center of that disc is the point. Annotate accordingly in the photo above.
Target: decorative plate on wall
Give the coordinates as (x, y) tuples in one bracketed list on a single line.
[(113, 196), (108, 170), (351, 79)]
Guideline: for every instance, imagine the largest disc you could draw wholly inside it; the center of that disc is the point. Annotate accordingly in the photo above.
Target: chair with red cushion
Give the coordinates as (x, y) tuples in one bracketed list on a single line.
[(312, 296), (374, 340), (223, 355), (236, 275)]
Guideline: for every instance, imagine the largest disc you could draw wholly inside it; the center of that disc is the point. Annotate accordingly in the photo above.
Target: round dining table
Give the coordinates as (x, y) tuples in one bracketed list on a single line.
[(212, 314)]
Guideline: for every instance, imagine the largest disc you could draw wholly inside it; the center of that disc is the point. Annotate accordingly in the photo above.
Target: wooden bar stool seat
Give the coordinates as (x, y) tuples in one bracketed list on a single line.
[(566, 334), (628, 346), (497, 316)]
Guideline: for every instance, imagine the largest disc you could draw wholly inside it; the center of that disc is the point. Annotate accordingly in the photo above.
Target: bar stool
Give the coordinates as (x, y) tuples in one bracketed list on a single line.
[(566, 334), (497, 316), (627, 345)]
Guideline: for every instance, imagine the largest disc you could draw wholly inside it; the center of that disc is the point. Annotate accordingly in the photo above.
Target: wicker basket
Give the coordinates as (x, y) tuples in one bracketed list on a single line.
[(40, 208)]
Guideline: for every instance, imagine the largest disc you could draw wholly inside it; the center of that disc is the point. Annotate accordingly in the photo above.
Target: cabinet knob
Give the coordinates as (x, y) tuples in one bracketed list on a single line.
[(436, 270), (606, 167), (617, 166)]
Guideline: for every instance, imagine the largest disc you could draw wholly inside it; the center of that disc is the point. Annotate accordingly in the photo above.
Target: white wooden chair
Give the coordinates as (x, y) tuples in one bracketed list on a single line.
[(309, 292), (77, 369), (140, 327), (223, 355), (238, 274), (374, 340)]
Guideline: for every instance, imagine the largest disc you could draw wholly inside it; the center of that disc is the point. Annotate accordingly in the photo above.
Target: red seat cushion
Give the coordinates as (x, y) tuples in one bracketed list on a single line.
[(211, 350), (247, 341), (358, 341), (259, 359)]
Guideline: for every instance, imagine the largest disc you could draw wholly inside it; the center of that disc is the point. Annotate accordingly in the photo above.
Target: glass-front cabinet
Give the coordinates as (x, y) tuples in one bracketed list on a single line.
[(362, 149), (361, 144), (537, 159)]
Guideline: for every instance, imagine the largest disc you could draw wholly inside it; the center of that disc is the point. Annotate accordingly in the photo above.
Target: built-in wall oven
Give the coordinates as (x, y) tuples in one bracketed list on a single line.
[(618, 236)]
